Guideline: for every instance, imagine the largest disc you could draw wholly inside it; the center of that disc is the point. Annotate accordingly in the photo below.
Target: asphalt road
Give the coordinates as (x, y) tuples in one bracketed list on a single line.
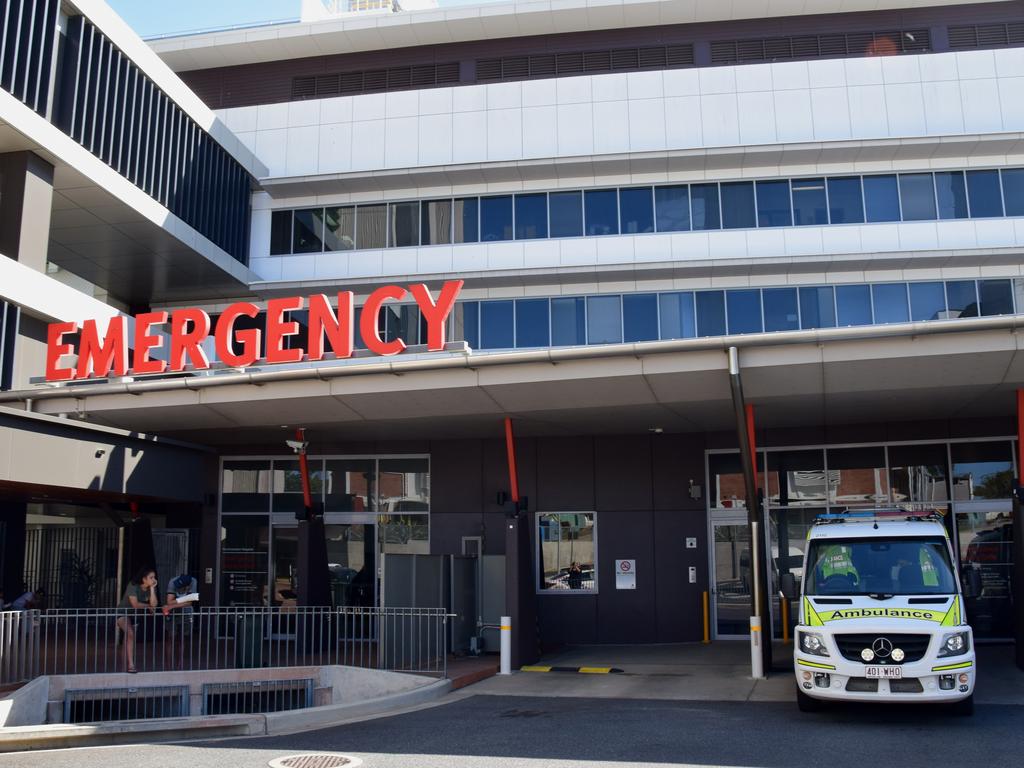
[(535, 732)]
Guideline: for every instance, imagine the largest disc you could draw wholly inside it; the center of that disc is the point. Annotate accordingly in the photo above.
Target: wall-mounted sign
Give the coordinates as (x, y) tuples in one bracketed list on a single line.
[(189, 328), (625, 574)]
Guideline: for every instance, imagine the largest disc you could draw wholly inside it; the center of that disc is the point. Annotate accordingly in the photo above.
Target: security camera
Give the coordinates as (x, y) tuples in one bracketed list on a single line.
[(299, 446)]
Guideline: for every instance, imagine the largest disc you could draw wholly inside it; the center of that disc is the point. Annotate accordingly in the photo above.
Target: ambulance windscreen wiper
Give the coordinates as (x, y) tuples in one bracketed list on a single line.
[(879, 595)]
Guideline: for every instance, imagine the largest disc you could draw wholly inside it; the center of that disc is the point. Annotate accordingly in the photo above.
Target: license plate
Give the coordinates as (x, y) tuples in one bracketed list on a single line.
[(886, 672)]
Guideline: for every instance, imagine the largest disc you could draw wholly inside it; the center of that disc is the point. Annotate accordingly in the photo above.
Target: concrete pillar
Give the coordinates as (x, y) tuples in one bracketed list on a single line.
[(26, 189), (12, 556)]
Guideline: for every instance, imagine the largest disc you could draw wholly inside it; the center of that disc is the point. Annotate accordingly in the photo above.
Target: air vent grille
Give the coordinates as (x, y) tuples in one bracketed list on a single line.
[(584, 62), (393, 79), (820, 46)]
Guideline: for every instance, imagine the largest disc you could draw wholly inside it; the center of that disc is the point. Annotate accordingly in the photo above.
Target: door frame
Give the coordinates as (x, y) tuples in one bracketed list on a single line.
[(717, 517)]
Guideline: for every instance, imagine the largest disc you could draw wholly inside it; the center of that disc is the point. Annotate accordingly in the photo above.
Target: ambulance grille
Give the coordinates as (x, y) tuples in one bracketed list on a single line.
[(914, 646)]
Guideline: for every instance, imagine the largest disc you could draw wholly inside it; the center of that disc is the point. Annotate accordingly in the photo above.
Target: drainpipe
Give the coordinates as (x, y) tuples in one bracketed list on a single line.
[(760, 634)]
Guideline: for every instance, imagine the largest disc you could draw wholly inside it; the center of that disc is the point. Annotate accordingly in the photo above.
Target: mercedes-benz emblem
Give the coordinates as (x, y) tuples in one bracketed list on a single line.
[(882, 647)]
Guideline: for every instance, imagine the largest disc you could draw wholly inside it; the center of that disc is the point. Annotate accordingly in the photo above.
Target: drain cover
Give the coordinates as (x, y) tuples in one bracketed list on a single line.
[(316, 761)]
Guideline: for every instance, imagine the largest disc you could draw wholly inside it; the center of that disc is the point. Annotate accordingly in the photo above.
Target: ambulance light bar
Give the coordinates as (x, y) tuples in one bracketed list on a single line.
[(865, 515)]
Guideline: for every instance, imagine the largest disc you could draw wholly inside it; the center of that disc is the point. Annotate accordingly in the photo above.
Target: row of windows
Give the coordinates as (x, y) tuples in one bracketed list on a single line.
[(26, 50), (670, 208), (633, 317)]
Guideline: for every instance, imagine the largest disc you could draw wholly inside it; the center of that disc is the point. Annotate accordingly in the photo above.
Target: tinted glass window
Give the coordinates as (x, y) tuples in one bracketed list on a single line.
[(890, 302), (280, 232), (466, 211), (340, 228), (881, 198), (371, 226), (996, 297), (604, 319), (568, 321), (495, 218), (636, 210), (817, 308), (403, 224), (532, 323), (853, 305), (809, 203), (640, 317), (602, 211), (677, 318), (984, 194), (917, 194), (566, 214), (780, 309), (773, 208), (952, 195), (531, 216), (738, 205), (436, 222), (1013, 191), (962, 298), (710, 313), (471, 323), (744, 311), (496, 325), (308, 231), (672, 206), (704, 206), (927, 301), (845, 203)]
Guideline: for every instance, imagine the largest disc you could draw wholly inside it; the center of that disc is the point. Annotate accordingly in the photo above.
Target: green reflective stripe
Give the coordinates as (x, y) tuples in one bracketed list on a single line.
[(961, 665), (803, 663), (811, 617), (952, 617)]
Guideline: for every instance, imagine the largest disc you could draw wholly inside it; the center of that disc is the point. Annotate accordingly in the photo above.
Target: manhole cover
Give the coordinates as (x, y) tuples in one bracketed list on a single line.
[(316, 761)]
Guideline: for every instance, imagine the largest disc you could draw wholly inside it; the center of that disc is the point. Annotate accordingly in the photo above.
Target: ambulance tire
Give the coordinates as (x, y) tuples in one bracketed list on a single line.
[(964, 707), (808, 703)]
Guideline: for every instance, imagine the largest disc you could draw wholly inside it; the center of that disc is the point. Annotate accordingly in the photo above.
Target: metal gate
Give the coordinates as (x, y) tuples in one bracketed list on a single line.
[(77, 567)]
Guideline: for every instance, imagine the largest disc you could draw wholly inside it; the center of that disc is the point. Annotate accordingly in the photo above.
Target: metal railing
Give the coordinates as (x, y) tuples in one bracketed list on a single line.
[(89, 641)]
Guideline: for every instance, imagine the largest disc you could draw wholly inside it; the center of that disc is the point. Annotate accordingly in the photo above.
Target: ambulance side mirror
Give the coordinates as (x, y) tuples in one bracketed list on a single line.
[(787, 583), (972, 583)]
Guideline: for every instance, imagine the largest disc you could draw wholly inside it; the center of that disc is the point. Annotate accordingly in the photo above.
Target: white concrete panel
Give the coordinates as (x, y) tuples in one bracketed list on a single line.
[(918, 235), (992, 233), (469, 98), (573, 90), (826, 73), (247, 140), (298, 267), (303, 149), (365, 263), (467, 258), (575, 128), (863, 71), (334, 265), (1011, 98), (719, 120), (435, 258), (368, 144), (793, 118), (645, 85), (436, 101), (868, 115), (757, 117), (435, 139), (880, 237), (401, 142), (614, 250), (900, 69), (980, 100), (402, 104), (541, 253), (469, 137), (690, 246), (904, 105), (272, 150), (683, 122), (804, 241), (304, 113), (830, 112), (717, 80), (259, 233), (1010, 62), (652, 248), (754, 77), (943, 112), (539, 93), (338, 110), (610, 88), (956, 234), (790, 75), (504, 95), (681, 82), (936, 67), (840, 239), (335, 152), (241, 119), (504, 134), (976, 65), (763, 243), (577, 251), (727, 244), (400, 261), (369, 106), (646, 124), (540, 131), (267, 267), (271, 116)]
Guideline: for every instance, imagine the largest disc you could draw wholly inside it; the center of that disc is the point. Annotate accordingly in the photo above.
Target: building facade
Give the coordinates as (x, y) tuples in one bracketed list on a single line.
[(625, 192)]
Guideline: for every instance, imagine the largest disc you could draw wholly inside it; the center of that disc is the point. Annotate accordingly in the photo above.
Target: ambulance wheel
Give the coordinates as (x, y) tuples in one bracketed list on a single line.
[(964, 707), (807, 703)]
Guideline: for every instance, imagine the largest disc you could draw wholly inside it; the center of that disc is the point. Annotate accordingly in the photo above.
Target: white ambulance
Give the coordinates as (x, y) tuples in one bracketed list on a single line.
[(882, 613)]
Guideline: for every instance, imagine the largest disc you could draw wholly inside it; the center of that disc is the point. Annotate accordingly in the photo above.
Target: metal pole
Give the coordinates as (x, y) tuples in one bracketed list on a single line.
[(506, 645), (1017, 553)]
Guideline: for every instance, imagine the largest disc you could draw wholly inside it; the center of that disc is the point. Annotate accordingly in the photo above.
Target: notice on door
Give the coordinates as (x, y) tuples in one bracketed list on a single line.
[(625, 574)]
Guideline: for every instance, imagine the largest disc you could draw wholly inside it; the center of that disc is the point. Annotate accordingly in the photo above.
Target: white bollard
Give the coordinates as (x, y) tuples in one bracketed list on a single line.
[(506, 645), (756, 659)]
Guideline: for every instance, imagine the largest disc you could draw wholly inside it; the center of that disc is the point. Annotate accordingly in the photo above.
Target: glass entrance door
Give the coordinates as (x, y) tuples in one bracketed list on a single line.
[(732, 577), (351, 565)]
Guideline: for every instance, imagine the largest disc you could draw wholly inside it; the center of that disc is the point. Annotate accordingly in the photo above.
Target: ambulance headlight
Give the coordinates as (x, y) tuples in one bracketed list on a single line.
[(813, 643), (954, 644)]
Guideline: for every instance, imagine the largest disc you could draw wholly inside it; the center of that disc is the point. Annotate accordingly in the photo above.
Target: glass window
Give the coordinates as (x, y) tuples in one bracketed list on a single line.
[(951, 193), (677, 318), (602, 213), (809, 203), (403, 322), (636, 210), (918, 473), (672, 207), (531, 216), (465, 220), (881, 198), (403, 224), (857, 476), (890, 300), (984, 194), (532, 323), (568, 321), (471, 323), (927, 301), (405, 534), (917, 196), (244, 542), (495, 218), (728, 488), (497, 325), (1013, 191), (962, 298), (308, 230), (566, 214), (817, 308), (982, 470), (780, 309), (351, 485), (796, 478), (996, 297), (744, 308), (436, 222), (845, 200), (773, 205), (738, 205), (568, 552), (710, 313), (371, 226), (340, 228), (403, 485), (704, 206), (898, 565), (853, 305), (604, 319), (280, 233), (287, 484), (640, 317), (246, 486)]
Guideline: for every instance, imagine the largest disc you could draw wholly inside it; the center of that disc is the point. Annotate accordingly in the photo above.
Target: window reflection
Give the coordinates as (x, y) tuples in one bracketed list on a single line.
[(350, 485), (982, 470), (245, 486), (403, 485), (796, 478), (728, 490), (567, 543), (918, 473), (857, 476)]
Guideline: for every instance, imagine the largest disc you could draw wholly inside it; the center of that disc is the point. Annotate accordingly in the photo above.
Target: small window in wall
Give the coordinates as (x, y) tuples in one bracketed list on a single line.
[(927, 301), (996, 297), (466, 218), (817, 307), (371, 226), (890, 301), (710, 313), (308, 232), (403, 486), (917, 195), (604, 319), (845, 200), (496, 218), (567, 552), (640, 317), (531, 216), (340, 228), (773, 204), (677, 315), (636, 210), (951, 193), (497, 324), (532, 323), (566, 210), (436, 222), (602, 212), (672, 207), (704, 207), (962, 298), (728, 489), (568, 321), (280, 233), (984, 194), (738, 209), (881, 199), (780, 309), (403, 224), (1013, 191), (809, 203), (853, 305)]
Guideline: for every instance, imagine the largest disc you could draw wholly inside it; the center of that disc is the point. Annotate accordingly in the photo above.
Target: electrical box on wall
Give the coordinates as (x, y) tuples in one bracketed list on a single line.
[(693, 575), (691, 542)]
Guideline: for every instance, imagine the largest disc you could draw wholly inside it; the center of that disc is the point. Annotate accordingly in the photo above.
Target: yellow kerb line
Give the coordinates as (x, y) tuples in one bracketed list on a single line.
[(595, 670), (535, 669)]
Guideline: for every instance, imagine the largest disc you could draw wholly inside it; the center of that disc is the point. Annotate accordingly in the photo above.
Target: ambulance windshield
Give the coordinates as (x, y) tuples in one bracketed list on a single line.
[(879, 567)]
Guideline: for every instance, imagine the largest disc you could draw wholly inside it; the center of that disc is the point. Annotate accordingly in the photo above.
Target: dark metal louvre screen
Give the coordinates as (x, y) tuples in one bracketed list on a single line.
[(110, 107), (10, 316), (820, 46), (393, 79), (986, 35), (256, 696), (28, 31), (583, 62)]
